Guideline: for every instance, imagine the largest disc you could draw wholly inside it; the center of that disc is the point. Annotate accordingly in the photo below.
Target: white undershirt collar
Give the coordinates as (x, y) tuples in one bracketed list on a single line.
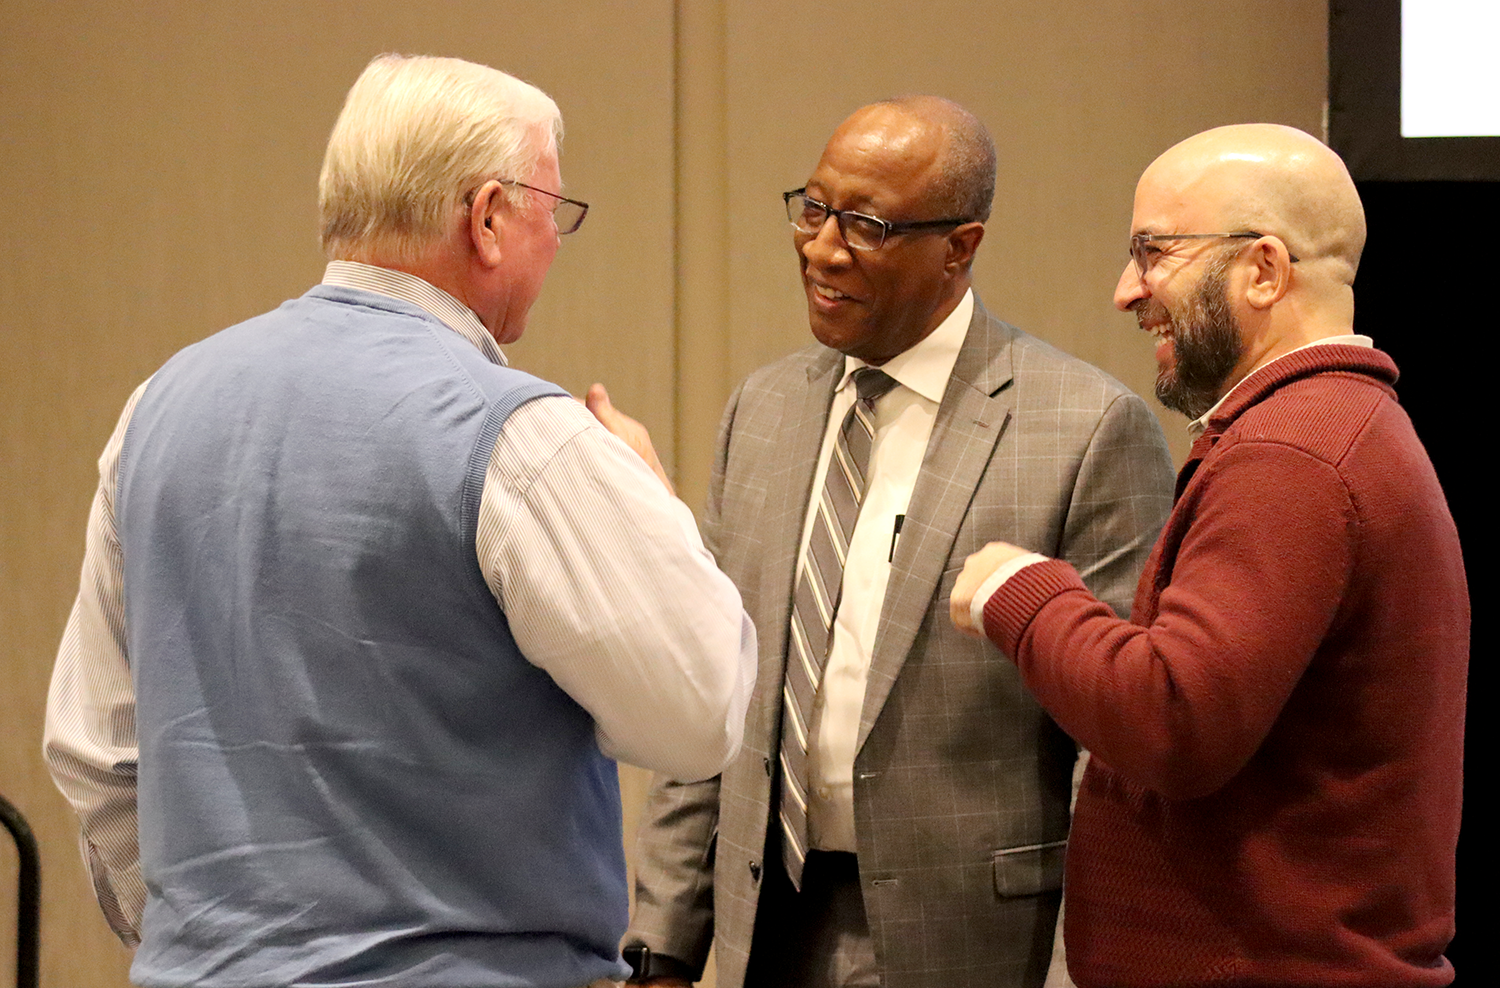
[(926, 366)]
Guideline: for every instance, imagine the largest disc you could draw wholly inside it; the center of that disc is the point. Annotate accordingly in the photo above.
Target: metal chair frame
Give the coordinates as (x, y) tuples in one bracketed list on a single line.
[(29, 895)]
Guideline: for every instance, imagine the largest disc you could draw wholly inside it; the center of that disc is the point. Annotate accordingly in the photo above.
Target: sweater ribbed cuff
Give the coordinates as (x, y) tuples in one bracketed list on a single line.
[(1011, 609)]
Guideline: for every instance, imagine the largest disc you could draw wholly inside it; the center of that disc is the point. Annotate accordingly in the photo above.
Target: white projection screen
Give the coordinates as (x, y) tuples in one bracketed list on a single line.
[(1450, 68), (1414, 88)]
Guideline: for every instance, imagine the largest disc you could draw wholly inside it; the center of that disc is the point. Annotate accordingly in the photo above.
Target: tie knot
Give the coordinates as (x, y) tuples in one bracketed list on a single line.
[(872, 382)]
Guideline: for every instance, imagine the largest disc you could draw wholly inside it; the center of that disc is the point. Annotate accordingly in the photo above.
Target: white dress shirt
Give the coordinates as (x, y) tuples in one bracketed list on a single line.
[(903, 423), (601, 574)]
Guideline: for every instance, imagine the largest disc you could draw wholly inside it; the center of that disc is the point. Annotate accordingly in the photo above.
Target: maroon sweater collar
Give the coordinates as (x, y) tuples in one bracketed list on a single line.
[(1338, 358), (1330, 357)]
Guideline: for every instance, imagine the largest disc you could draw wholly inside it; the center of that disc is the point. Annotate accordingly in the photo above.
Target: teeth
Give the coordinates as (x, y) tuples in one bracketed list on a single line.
[(828, 293)]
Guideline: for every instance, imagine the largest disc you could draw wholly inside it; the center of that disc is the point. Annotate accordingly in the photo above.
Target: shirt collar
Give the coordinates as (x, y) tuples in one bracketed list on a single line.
[(926, 366), (423, 294), (1196, 427)]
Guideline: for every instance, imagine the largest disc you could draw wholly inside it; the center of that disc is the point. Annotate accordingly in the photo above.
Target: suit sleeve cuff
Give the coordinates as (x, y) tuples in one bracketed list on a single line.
[(997, 580)]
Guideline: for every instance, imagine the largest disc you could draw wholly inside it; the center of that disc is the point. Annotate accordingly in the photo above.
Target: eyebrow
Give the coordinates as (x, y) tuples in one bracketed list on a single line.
[(862, 203)]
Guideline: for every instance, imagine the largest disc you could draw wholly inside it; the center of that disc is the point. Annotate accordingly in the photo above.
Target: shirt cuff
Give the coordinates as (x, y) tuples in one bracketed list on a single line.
[(995, 581)]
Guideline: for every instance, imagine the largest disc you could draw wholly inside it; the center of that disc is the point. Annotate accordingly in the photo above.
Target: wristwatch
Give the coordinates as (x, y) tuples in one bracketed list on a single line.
[(646, 964)]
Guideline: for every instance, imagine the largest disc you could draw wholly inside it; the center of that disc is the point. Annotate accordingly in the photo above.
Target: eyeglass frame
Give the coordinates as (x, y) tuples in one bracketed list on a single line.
[(583, 207), (887, 227), (1138, 242)]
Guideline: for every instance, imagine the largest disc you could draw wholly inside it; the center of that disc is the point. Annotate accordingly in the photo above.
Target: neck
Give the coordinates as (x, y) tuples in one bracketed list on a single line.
[(436, 266), (1292, 323), (944, 310)]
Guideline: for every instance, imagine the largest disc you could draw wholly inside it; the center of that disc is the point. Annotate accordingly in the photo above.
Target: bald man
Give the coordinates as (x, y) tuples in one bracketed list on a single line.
[(1277, 731)]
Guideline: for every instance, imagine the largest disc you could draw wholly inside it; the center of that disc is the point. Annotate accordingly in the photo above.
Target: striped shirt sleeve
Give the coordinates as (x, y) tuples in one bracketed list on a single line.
[(608, 588), (90, 736)]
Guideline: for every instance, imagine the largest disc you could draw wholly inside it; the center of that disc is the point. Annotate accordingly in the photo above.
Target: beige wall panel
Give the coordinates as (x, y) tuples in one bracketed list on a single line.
[(158, 174)]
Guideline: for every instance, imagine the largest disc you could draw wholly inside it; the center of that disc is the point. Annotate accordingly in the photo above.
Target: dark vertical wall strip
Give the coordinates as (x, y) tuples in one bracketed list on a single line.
[(1364, 105), (1419, 294)]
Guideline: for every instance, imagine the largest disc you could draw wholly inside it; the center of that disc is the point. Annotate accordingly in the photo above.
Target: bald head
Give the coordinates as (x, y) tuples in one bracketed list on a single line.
[(1273, 180), (963, 185), (1220, 303)]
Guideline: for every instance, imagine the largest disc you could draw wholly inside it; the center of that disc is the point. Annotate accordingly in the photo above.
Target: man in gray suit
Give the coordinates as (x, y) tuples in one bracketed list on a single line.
[(899, 812)]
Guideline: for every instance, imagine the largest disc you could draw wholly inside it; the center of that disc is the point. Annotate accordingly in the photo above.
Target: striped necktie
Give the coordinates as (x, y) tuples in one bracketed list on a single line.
[(819, 581)]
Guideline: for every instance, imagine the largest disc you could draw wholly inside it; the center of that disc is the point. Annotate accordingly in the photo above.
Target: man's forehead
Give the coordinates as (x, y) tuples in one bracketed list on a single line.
[(835, 188), (879, 163), (1173, 201)]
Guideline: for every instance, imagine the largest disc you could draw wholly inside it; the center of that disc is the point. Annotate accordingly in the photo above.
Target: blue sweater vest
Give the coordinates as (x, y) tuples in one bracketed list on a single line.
[(349, 775)]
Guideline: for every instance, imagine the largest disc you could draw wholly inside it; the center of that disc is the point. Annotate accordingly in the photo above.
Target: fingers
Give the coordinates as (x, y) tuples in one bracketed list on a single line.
[(962, 617), (627, 429), (596, 400), (960, 602), (977, 569)]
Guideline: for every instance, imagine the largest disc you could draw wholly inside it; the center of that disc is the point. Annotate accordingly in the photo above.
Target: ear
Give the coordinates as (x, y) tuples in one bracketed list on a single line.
[(487, 219), (963, 242), (1271, 276)]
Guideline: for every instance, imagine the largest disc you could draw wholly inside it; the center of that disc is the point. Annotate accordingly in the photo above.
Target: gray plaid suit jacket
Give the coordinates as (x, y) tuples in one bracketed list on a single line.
[(961, 782)]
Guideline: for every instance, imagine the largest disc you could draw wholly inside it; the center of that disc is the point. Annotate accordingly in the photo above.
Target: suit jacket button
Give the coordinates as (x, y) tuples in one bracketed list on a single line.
[(755, 871)]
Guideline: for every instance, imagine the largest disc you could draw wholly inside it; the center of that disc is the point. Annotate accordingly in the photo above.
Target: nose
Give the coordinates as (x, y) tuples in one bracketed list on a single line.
[(827, 245), (1131, 287)]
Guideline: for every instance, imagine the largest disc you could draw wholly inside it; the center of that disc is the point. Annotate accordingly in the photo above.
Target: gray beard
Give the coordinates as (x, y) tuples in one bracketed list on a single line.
[(1206, 344)]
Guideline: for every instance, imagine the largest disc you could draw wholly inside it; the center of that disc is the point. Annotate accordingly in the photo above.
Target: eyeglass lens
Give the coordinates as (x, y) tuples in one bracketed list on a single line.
[(568, 216), (1145, 255), (859, 231), (1138, 254)]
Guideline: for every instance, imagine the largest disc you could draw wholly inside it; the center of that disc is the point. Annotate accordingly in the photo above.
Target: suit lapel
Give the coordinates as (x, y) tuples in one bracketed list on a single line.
[(970, 420), (799, 440)]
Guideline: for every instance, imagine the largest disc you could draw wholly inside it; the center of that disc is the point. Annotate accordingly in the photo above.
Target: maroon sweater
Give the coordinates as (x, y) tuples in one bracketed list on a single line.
[(1278, 730)]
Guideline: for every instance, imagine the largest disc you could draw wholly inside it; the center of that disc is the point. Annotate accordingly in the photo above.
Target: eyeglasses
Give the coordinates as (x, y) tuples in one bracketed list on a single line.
[(567, 214), (1145, 255), (860, 231)]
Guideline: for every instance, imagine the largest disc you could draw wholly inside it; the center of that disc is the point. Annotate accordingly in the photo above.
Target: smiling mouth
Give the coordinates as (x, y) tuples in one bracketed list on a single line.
[(831, 294), (1160, 330)]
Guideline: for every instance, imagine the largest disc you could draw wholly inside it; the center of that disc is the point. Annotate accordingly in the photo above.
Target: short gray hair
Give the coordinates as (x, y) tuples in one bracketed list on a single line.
[(415, 136), (965, 185)]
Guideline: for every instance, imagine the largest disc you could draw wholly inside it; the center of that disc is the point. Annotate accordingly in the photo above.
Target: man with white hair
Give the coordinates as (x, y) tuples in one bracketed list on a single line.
[(365, 614), (1277, 731)]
